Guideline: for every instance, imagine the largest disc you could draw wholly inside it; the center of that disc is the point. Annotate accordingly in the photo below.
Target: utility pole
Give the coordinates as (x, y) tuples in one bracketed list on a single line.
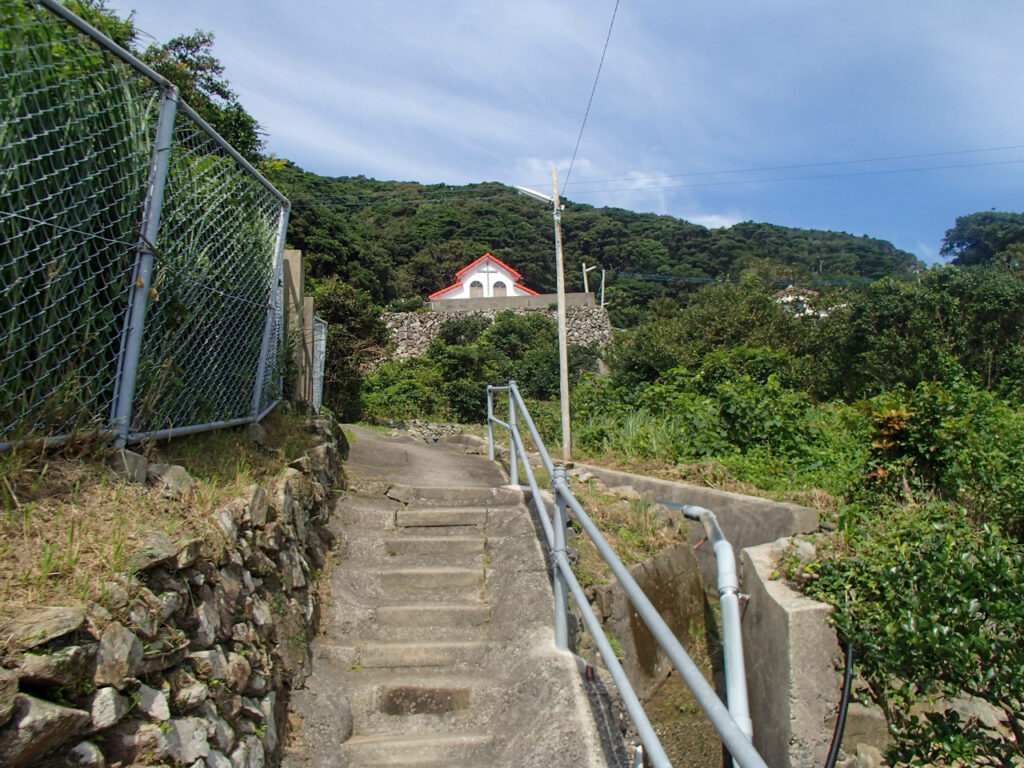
[(563, 342), (586, 281)]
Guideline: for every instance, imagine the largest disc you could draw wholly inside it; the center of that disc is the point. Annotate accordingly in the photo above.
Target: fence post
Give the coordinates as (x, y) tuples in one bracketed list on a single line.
[(490, 424), (142, 277), (274, 312), (558, 581), (513, 454)]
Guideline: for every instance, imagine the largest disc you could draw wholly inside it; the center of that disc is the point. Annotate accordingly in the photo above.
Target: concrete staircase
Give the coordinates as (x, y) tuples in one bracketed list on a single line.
[(437, 647)]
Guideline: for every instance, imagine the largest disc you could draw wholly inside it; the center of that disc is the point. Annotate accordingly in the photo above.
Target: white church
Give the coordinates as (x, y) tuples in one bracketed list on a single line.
[(485, 278)]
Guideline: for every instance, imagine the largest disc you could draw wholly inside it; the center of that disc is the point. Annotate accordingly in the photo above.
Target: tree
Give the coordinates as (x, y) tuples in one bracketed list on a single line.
[(189, 63), (356, 336), (121, 31), (992, 238)]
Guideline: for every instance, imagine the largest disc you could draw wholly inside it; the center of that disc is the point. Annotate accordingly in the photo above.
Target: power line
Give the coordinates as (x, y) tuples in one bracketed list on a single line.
[(797, 166), (707, 280), (804, 178), (591, 99)]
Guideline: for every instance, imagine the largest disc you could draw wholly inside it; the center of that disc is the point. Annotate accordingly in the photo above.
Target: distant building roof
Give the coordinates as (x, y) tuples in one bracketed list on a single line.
[(483, 268)]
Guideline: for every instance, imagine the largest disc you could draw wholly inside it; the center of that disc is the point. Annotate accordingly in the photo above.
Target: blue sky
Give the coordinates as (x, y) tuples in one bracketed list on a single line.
[(877, 117)]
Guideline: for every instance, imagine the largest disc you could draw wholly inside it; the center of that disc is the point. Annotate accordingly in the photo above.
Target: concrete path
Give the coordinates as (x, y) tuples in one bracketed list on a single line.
[(437, 645)]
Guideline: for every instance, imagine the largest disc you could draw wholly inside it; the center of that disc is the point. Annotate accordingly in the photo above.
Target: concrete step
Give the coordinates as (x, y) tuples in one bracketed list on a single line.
[(440, 517), (385, 701), (432, 616), (442, 496), (378, 584), (404, 655), (443, 546), (470, 748), (403, 580)]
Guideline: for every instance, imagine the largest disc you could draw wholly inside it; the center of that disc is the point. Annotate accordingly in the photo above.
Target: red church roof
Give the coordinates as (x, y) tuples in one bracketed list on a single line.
[(486, 257)]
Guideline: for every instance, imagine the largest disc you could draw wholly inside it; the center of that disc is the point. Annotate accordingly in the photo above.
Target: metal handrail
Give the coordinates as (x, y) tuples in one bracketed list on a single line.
[(733, 736)]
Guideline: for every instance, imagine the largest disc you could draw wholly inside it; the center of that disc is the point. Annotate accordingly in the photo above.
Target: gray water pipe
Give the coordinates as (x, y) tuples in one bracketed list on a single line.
[(729, 601)]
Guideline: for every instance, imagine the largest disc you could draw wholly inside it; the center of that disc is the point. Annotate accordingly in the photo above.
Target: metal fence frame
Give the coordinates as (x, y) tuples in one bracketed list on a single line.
[(733, 734), (222, 371), (319, 359)]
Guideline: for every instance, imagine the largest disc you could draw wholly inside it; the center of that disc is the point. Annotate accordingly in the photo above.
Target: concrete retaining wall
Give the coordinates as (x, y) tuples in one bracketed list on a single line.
[(793, 662), (745, 520), (671, 581)]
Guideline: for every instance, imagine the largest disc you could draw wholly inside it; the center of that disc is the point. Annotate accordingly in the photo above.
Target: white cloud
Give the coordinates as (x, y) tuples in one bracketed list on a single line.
[(714, 220)]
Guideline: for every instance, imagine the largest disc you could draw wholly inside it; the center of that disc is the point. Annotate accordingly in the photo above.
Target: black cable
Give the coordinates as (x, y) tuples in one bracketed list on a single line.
[(591, 99), (844, 705)]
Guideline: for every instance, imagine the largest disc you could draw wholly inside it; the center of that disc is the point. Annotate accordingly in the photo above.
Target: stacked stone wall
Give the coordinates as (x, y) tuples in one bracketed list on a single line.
[(191, 659), (412, 332)]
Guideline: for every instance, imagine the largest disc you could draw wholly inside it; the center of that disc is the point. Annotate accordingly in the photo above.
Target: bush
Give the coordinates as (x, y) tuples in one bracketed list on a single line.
[(931, 605), (955, 441), (404, 390)]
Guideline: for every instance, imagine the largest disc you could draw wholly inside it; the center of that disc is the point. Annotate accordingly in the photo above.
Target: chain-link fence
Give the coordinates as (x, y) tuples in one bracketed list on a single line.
[(319, 357), (141, 255)]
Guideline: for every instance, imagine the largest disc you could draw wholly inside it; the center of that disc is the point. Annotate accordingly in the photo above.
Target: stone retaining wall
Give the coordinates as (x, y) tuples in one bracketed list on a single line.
[(412, 332), (190, 661)]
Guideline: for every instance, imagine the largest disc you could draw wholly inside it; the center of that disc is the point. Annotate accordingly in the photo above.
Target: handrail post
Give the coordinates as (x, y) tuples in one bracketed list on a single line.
[(513, 454), (561, 597), (490, 424)]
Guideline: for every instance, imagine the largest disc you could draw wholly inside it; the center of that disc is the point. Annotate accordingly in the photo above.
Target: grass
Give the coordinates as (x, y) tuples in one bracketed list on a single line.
[(633, 528), (69, 524)]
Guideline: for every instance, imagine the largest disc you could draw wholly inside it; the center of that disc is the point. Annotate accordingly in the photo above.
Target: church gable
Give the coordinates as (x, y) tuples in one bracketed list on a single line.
[(485, 278)]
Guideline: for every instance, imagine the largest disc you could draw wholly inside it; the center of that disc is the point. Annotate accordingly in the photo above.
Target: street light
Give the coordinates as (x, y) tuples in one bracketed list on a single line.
[(563, 345)]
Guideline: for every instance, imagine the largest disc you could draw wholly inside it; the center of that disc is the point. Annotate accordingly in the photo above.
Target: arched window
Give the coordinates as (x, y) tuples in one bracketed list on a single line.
[(500, 289), (476, 289)]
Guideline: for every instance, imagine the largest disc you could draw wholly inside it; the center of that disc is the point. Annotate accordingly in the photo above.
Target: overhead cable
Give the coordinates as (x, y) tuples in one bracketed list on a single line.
[(591, 99)]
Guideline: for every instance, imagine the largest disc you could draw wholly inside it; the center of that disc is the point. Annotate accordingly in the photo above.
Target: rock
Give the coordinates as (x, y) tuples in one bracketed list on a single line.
[(108, 707), (85, 754), (153, 703), (225, 520), (132, 741), (35, 727), (226, 597), (113, 595), (119, 657), (223, 734), (186, 739), (208, 621), (129, 466), (188, 552), (869, 756), (256, 433), (209, 665), (259, 507), (291, 569), (157, 549), (627, 492), (267, 706), (172, 480), (187, 693), (325, 464), (8, 693), (217, 760), (43, 626), (237, 673)]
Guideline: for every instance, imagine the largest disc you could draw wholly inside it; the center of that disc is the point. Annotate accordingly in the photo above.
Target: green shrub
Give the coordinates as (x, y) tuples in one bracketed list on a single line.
[(461, 330), (931, 604), (953, 440), (404, 390)]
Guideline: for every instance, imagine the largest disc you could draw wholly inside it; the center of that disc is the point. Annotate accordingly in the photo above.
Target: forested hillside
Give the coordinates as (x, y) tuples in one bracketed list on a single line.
[(403, 239)]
